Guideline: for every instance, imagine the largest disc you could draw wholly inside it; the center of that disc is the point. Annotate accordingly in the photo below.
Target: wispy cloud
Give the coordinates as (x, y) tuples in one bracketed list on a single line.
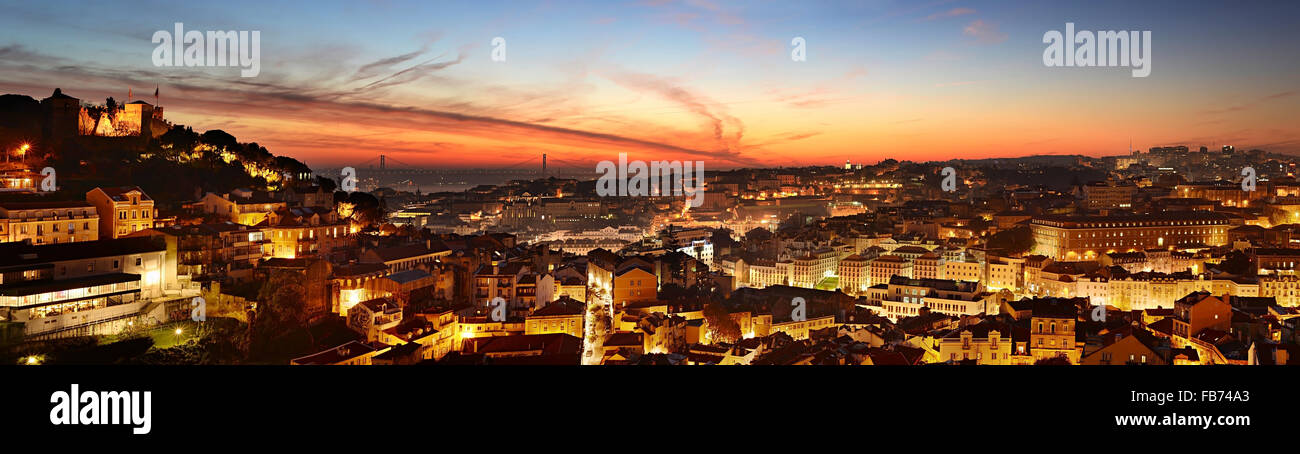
[(984, 32), (268, 100), (950, 13), (1247, 106), (382, 65)]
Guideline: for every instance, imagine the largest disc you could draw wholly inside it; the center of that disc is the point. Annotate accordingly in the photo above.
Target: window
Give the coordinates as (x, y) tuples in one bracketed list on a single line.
[(137, 261)]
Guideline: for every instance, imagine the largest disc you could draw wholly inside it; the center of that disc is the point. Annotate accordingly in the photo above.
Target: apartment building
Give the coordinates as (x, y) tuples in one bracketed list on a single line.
[(1065, 237), (48, 222), (122, 210), (95, 287)]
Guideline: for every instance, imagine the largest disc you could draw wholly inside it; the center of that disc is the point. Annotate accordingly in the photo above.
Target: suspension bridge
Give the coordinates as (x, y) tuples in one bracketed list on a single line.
[(385, 170), (539, 166)]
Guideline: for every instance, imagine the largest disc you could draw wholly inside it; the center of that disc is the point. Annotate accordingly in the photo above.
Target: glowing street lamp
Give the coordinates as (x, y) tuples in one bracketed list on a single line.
[(22, 152)]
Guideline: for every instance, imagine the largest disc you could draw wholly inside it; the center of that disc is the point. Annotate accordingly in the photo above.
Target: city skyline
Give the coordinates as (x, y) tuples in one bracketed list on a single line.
[(681, 80)]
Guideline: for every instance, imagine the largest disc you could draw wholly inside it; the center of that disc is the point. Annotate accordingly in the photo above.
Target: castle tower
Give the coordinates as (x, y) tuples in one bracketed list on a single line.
[(140, 113), (62, 114)]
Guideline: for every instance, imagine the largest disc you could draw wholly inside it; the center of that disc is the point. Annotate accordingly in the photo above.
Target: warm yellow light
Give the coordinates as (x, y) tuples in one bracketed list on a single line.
[(24, 148), (32, 360), (178, 331)]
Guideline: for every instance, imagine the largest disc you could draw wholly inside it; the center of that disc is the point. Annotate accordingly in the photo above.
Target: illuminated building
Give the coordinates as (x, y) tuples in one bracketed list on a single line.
[(886, 266), (1052, 329), (1142, 291), (906, 297), (497, 280), (1275, 261), (1130, 345), (1004, 273), (800, 329), (853, 274), (122, 211), (564, 315), (1085, 238), (1108, 194), (402, 258), (301, 232), (244, 207), (985, 343), (764, 273), (211, 250), (1197, 312), (701, 250), (961, 270), (48, 222), (1284, 288), (634, 284), (809, 270), (372, 317), (928, 266), (73, 289), (661, 333), (354, 283), (1226, 192)]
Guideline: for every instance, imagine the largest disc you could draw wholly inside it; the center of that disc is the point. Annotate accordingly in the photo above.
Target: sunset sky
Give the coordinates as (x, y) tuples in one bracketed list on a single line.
[(342, 82)]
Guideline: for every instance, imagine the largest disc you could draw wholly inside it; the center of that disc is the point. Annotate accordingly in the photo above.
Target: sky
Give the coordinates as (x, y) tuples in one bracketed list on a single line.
[(341, 83)]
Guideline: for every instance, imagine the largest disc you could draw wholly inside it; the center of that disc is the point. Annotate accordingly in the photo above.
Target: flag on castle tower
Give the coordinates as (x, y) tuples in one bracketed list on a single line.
[(128, 94)]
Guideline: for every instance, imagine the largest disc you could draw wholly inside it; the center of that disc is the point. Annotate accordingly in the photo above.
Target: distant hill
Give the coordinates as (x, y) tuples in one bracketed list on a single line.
[(20, 118), (180, 164)]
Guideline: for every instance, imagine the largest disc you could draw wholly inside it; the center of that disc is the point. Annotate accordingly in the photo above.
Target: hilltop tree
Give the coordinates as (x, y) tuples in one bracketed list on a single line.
[(361, 207), (281, 314), (722, 328), (1016, 240)]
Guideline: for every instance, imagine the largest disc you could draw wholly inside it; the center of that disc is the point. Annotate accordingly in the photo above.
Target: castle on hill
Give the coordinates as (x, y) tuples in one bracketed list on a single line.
[(66, 118)]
